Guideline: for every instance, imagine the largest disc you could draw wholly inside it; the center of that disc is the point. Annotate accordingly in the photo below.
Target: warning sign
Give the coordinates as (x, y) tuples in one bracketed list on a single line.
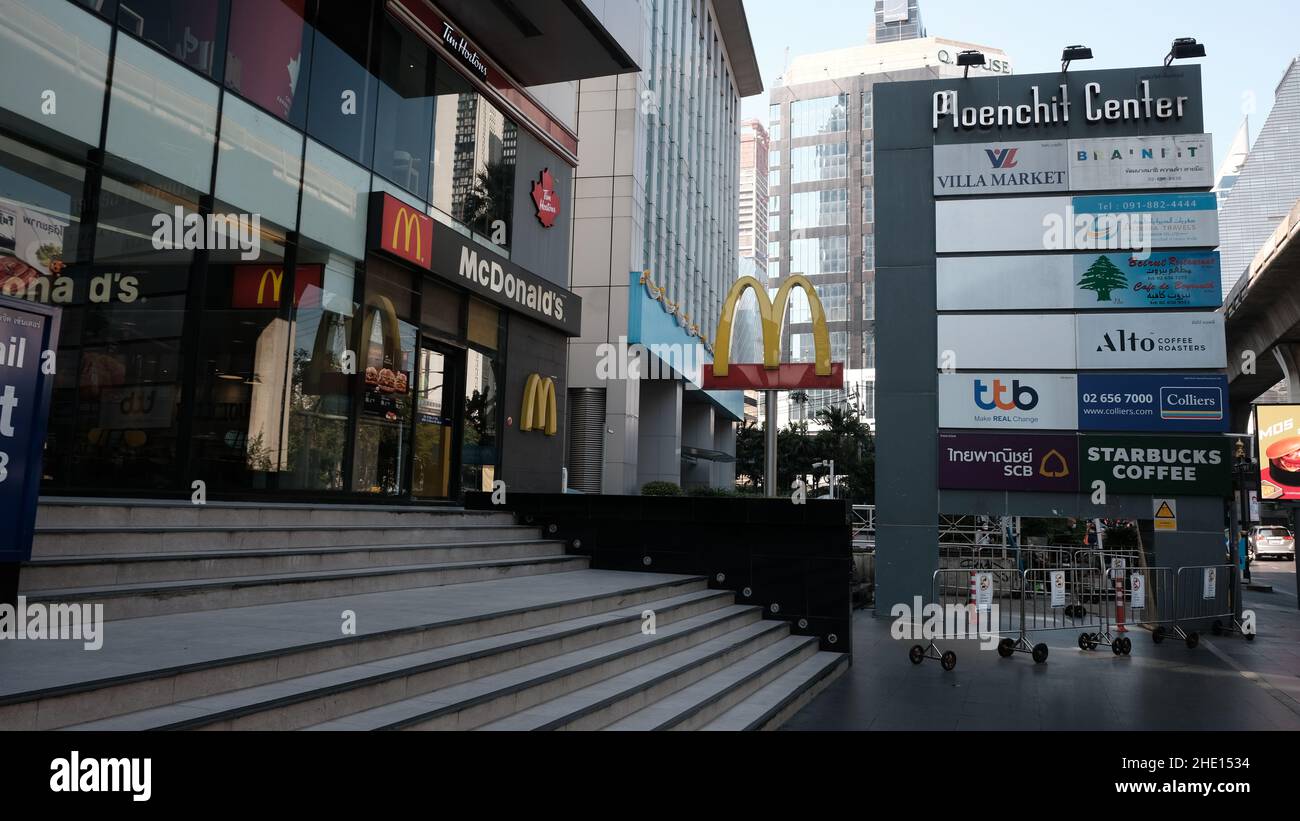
[(1165, 513)]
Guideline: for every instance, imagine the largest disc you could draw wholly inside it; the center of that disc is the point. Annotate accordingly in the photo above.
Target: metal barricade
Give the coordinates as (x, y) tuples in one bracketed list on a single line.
[(1051, 600), (1153, 599), (1202, 593), (964, 604)]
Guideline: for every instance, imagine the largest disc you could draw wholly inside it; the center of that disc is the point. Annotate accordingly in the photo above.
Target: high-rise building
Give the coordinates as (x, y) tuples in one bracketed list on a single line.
[(820, 189), (1238, 150), (655, 246), (753, 246), (1267, 185)]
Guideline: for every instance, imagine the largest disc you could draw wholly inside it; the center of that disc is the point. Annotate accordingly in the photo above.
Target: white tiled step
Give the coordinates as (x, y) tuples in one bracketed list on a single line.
[(128, 601), (694, 706), (666, 680), (293, 703), (140, 568), (53, 542), (483, 700), (159, 660), (771, 705)]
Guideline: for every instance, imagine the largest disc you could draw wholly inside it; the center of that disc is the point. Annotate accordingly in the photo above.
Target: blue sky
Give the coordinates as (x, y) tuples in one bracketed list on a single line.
[(1248, 42)]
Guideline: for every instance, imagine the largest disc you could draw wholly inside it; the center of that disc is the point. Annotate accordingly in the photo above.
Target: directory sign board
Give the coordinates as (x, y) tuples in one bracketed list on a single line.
[(1157, 161), (1165, 402), (1164, 465), (1008, 461), (1017, 341), (1151, 340), (1023, 401)]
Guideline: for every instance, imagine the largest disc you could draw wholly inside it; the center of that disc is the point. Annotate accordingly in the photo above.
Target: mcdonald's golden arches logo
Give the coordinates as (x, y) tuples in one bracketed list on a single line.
[(404, 231), (773, 374), (538, 412)]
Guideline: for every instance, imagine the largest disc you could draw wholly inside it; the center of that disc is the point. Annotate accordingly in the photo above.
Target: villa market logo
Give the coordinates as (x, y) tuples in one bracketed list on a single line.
[(546, 199), (1002, 157)]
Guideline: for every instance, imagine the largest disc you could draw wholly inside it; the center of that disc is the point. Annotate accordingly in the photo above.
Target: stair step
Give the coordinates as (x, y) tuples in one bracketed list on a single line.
[(128, 601), (139, 568), (483, 700), (286, 705), (92, 542), (155, 661), (769, 706), (699, 703), (126, 513), (601, 704)]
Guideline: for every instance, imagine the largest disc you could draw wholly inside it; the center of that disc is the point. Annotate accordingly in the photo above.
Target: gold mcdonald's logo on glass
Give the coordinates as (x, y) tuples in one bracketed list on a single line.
[(407, 222), (277, 279), (539, 412), (772, 314)]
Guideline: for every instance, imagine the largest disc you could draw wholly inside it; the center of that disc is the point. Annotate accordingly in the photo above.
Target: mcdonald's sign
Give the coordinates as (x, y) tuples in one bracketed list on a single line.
[(258, 286), (539, 412), (772, 373), (399, 229)]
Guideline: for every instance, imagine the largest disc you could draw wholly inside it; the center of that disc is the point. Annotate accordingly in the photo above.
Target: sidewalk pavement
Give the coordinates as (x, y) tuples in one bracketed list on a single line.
[(1226, 683)]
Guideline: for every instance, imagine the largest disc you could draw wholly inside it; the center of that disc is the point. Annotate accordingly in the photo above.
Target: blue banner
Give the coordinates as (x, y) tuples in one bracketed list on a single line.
[(1153, 402), (27, 331), (1155, 280)]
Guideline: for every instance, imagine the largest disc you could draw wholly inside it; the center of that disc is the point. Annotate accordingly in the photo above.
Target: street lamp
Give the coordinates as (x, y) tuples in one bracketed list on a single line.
[(1184, 48), (1075, 52), (1241, 464), (970, 57)]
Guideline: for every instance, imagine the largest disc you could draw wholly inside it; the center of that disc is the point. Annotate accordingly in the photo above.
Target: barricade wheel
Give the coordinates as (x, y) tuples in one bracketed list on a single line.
[(916, 654), (1158, 635), (1006, 647), (1117, 647), (1040, 653), (949, 660), (1217, 629), (1094, 641), (1250, 637), (1193, 639), (1127, 645), (1083, 642)]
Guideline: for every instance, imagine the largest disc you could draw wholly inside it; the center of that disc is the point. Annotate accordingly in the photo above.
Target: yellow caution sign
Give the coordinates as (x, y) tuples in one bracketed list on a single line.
[(1165, 514)]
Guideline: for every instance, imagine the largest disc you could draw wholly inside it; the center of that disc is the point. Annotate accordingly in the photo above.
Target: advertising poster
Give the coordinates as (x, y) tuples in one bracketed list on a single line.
[(1155, 280), (1165, 465), (31, 246), (1105, 164), (1154, 340), (1000, 168), (1008, 400), (1153, 402), (1146, 221), (1007, 461), (1278, 442)]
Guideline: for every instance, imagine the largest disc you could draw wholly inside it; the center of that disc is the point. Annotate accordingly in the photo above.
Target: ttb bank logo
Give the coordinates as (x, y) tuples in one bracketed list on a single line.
[(1016, 396), (1002, 157)]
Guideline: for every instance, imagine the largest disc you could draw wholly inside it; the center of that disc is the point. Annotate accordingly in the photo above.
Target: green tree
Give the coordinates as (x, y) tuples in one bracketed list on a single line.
[(1103, 277)]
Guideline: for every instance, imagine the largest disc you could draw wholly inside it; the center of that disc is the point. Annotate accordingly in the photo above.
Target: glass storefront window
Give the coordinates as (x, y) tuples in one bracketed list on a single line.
[(269, 55), (335, 196), (60, 50), (404, 119), (259, 168), (189, 30), (106, 8), (387, 363), (480, 449), (161, 117), (341, 113), (320, 397)]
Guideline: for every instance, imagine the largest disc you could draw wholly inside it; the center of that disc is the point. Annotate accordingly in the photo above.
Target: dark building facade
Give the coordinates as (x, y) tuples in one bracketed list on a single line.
[(303, 249)]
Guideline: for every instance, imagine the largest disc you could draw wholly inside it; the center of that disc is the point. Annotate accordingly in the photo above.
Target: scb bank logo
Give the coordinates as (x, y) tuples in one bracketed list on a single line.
[(1016, 396)]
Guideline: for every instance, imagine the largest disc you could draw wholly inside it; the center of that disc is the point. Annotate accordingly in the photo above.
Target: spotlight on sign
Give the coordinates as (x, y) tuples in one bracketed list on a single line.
[(1072, 53), (970, 57), (1184, 48)]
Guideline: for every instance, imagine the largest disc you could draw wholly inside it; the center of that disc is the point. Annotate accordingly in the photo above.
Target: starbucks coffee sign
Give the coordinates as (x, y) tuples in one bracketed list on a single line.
[(1166, 465)]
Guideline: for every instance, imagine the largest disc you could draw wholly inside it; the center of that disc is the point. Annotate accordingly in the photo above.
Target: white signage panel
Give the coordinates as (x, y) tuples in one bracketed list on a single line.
[(1017, 341), (1022, 401), (1005, 283), (1013, 224), (1115, 163), (1145, 340), (1001, 168)]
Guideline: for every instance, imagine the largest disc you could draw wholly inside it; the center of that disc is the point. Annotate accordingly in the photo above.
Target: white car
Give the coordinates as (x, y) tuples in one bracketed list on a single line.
[(1271, 540)]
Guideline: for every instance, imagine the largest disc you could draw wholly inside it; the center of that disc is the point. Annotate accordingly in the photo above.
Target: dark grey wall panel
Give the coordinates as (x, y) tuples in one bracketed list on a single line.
[(542, 250)]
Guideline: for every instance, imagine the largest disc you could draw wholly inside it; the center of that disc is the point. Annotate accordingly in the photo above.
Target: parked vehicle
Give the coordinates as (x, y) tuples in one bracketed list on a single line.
[(1271, 540)]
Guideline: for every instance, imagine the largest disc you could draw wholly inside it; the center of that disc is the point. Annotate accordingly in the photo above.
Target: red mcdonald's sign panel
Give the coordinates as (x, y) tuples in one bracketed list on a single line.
[(401, 230), (258, 286)]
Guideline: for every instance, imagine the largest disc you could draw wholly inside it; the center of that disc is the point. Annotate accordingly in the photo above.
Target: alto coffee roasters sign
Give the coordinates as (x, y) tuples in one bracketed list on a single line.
[(1166, 465), (1170, 340), (993, 461)]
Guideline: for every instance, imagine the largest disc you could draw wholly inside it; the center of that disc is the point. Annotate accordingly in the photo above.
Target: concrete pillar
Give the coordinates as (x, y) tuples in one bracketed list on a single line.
[(697, 432), (659, 439), (724, 440), (1287, 355)]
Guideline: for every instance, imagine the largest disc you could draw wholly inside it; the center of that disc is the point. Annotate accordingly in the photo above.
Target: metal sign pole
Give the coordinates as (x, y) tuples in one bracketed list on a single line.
[(769, 453)]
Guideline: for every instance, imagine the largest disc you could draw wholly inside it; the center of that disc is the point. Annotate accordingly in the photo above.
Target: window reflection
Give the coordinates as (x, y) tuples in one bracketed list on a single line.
[(189, 30), (269, 56), (405, 112)]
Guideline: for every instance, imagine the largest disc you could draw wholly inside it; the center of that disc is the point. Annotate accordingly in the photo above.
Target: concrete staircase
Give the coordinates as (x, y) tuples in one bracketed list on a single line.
[(229, 616)]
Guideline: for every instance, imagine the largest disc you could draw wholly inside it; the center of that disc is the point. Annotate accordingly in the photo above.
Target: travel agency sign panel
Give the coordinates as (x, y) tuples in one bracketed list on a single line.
[(1083, 282), (1102, 164)]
